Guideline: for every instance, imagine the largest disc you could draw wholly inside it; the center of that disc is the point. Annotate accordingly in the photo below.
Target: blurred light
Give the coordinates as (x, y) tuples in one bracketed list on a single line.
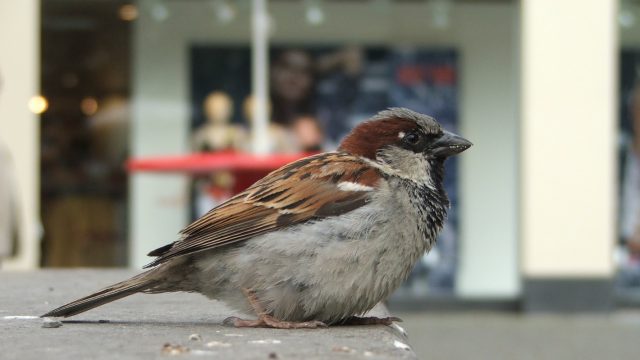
[(89, 106), (440, 13), (225, 13), (314, 13), (128, 12), (38, 104), (626, 18), (159, 11)]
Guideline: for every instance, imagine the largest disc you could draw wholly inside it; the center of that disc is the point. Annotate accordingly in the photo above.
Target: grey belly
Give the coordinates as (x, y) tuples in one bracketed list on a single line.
[(328, 271)]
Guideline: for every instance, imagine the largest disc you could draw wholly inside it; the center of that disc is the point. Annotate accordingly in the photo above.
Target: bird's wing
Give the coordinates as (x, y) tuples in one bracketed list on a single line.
[(312, 188)]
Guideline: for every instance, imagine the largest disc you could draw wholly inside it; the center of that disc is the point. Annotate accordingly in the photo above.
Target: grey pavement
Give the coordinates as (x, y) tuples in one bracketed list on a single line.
[(507, 336), (159, 326), (140, 326)]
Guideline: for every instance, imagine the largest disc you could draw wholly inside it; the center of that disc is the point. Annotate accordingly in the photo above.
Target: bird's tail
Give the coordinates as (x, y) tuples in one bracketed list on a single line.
[(114, 292)]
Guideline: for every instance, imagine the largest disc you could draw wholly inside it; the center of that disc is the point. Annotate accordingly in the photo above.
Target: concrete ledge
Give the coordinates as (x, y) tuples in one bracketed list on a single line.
[(568, 295), (140, 326)]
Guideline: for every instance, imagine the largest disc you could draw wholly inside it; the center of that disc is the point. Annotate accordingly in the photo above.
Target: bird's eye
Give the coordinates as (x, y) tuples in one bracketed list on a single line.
[(411, 138)]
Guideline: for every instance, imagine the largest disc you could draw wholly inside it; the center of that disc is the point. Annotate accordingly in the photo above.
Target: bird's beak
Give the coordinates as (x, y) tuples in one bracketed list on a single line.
[(449, 144)]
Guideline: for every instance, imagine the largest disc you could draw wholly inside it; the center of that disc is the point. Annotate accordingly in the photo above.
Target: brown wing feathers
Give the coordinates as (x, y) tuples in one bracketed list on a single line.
[(302, 191)]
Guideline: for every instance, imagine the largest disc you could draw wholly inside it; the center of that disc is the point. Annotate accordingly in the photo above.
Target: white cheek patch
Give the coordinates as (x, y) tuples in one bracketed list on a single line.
[(352, 186), (401, 134)]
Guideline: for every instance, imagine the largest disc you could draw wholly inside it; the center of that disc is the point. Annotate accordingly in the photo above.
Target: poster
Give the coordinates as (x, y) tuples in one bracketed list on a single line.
[(318, 94), (627, 254)]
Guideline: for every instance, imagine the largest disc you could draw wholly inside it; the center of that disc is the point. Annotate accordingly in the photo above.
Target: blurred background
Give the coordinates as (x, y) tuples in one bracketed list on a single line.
[(122, 121)]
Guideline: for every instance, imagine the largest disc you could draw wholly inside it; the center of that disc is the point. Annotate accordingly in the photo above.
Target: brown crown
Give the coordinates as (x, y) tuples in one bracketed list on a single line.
[(368, 137)]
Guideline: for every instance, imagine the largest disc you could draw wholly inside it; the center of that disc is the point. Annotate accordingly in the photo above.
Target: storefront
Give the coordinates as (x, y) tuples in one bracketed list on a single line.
[(155, 78)]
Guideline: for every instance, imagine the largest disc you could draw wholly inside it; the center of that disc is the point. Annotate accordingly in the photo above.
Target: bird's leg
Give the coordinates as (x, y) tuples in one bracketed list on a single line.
[(369, 320), (266, 320)]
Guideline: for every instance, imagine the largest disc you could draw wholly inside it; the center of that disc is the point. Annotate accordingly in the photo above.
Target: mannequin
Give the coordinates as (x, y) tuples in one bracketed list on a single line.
[(218, 133)]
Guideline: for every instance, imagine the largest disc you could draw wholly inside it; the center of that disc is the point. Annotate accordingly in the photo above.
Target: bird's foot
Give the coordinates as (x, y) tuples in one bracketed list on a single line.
[(370, 320), (271, 322)]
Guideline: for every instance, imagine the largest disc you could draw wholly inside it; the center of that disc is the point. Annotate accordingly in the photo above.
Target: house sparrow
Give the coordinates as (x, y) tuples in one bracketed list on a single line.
[(318, 241)]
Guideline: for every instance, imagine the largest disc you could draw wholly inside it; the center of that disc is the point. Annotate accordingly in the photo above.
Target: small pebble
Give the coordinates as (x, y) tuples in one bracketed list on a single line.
[(400, 329), (368, 353), (195, 337), (51, 323), (170, 349), (401, 345), (345, 349), (218, 344), (267, 341), (202, 352), (273, 355)]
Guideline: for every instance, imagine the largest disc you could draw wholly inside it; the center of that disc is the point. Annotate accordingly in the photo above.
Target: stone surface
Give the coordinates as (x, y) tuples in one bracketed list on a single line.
[(158, 326), (516, 336)]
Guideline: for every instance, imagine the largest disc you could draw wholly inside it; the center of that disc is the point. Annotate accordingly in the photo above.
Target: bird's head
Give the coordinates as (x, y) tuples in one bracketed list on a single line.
[(405, 143)]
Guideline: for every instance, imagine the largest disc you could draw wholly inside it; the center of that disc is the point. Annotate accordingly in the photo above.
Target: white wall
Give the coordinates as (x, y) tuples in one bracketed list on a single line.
[(19, 128), (486, 39), (489, 176), (158, 204), (568, 138)]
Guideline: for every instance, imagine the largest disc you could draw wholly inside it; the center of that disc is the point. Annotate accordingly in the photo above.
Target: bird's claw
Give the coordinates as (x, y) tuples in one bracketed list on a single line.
[(271, 322)]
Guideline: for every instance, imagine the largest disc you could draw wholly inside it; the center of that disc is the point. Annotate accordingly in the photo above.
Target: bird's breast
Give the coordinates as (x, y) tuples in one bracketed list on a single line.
[(332, 268)]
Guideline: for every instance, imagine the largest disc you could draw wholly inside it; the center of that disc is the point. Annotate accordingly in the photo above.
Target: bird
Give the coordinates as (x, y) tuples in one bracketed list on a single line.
[(319, 241)]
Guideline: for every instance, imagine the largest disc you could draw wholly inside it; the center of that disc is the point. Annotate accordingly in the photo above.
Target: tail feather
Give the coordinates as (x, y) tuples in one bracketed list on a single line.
[(114, 292)]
